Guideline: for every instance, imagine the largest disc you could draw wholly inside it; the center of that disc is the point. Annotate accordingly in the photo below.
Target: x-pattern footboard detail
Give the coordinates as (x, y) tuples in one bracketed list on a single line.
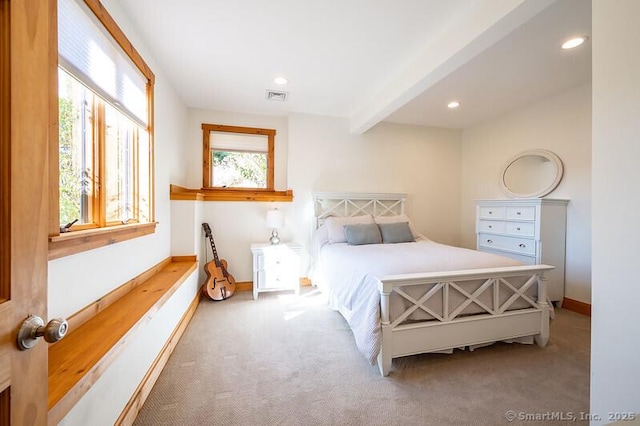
[(454, 326)]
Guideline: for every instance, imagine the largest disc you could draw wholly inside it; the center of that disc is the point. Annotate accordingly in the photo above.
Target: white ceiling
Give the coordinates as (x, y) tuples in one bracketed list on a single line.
[(367, 60)]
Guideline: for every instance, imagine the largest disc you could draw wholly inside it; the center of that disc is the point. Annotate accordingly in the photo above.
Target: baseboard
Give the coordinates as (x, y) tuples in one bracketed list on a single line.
[(248, 285), (576, 306), (138, 398), (244, 286)]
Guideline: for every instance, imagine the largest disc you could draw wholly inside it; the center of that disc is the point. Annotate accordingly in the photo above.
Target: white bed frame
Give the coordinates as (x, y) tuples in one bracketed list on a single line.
[(451, 328)]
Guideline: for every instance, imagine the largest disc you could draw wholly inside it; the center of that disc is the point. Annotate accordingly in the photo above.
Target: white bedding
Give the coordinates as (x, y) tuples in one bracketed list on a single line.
[(349, 274)]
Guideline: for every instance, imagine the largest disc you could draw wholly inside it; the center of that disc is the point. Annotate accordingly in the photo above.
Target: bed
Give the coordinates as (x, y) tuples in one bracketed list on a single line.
[(403, 294)]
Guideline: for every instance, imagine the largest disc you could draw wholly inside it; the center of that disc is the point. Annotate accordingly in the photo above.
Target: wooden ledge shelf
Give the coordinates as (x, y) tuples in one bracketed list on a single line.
[(78, 241), (77, 361), (180, 193)]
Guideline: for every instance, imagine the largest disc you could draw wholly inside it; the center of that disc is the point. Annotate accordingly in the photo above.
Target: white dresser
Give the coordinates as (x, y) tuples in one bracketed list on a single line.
[(529, 230), (276, 267)]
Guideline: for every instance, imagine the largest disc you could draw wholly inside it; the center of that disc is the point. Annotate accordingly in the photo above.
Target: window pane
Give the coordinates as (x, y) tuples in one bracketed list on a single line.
[(144, 174), (76, 149), (239, 169), (119, 161)]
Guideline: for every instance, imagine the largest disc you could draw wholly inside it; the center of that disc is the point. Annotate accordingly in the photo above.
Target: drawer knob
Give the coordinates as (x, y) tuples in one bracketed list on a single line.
[(490, 212), (518, 213), (522, 245), (518, 228), (490, 226), (489, 241)]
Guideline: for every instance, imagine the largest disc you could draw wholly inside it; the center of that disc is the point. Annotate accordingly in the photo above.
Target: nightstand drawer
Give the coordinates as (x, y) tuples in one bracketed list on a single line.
[(268, 261), (500, 242), (277, 279)]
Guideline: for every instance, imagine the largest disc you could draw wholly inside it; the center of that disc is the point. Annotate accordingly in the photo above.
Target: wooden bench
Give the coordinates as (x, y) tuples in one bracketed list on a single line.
[(99, 332)]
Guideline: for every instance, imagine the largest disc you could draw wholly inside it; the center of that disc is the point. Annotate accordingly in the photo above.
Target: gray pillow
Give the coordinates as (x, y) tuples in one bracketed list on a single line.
[(398, 232), (362, 234)]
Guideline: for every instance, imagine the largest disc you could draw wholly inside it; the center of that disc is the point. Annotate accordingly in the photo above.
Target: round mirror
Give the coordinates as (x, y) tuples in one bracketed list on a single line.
[(531, 174)]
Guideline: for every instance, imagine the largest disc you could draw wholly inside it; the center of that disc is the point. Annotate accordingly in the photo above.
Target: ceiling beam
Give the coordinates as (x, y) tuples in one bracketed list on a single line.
[(485, 24)]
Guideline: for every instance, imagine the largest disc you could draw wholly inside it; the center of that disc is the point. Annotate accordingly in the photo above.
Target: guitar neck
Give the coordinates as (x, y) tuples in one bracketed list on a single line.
[(215, 252), (207, 230)]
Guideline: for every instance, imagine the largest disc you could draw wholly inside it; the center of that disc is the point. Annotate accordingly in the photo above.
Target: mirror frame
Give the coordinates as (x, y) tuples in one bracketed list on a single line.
[(543, 191)]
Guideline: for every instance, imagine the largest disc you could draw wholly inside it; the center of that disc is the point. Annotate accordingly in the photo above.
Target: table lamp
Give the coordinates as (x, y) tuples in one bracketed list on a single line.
[(275, 221)]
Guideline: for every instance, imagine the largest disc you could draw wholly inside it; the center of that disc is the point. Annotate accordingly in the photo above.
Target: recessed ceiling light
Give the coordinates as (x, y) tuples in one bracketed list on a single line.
[(280, 80), (574, 42), (453, 104)]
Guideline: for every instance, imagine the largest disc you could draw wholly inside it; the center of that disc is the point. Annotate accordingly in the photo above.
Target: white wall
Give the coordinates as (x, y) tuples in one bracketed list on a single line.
[(78, 280), (561, 124), (615, 342), (422, 162)]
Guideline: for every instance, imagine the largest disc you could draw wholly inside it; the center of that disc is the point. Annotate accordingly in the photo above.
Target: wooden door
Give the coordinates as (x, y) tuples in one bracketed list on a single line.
[(26, 31)]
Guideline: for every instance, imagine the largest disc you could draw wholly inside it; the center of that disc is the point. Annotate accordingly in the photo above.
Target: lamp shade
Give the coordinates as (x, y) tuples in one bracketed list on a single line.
[(275, 219)]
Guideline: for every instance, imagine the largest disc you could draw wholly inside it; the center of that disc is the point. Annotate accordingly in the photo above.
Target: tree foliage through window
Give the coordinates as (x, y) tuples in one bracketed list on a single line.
[(240, 169)]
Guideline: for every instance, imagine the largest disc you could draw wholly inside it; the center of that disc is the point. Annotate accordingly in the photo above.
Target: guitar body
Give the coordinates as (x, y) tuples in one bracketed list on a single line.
[(219, 284)]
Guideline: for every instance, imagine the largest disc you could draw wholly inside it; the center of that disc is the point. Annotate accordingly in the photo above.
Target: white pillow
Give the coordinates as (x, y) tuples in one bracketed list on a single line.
[(400, 218), (319, 238), (335, 226)]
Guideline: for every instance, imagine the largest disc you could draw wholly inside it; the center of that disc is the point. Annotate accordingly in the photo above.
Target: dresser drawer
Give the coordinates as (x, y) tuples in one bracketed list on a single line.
[(527, 260), (491, 226), (523, 229), (521, 213), (512, 244), (488, 212)]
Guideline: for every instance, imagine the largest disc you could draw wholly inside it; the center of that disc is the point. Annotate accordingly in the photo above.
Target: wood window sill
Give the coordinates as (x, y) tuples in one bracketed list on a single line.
[(78, 241), (210, 194)]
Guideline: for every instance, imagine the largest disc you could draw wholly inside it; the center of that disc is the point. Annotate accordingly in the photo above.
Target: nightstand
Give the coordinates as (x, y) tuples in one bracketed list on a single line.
[(276, 267)]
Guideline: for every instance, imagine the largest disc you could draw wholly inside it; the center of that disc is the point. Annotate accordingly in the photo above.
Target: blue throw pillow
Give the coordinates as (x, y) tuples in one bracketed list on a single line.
[(398, 232), (362, 234)]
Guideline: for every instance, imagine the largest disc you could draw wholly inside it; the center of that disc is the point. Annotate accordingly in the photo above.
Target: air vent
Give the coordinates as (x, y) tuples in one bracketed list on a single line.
[(274, 95)]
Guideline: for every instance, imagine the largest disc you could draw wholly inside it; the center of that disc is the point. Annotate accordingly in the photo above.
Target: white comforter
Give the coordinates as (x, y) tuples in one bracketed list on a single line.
[(350, 274)]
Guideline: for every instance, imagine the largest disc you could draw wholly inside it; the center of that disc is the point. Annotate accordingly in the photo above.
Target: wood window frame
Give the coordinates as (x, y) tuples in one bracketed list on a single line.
[(87, 239), (207, 167)]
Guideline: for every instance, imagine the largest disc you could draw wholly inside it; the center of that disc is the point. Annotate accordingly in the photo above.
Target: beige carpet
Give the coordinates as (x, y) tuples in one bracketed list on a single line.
[(287, 360)]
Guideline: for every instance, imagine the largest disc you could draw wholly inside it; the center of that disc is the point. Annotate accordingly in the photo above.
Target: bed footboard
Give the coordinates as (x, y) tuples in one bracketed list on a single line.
[(450, 328)]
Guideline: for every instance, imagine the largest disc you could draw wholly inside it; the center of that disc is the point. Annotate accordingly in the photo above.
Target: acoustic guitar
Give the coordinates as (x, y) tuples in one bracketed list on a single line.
[(220, 284)]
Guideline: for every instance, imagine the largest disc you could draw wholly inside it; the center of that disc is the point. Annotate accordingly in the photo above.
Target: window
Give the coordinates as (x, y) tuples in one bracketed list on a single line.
[(105, 149), (238, 157), (98, 143)]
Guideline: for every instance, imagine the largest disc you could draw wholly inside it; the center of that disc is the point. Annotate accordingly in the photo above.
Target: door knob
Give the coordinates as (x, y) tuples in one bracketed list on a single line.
[(33, 327)]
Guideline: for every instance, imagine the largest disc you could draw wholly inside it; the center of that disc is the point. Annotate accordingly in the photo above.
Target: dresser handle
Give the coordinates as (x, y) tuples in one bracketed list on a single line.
[(522, 245), (490, 226), (518, 213), (490, 241), (518, 228), (490, 212)]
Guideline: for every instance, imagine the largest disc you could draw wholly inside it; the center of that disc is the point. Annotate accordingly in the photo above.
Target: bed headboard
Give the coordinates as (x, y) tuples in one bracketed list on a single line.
[(345, 204)]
